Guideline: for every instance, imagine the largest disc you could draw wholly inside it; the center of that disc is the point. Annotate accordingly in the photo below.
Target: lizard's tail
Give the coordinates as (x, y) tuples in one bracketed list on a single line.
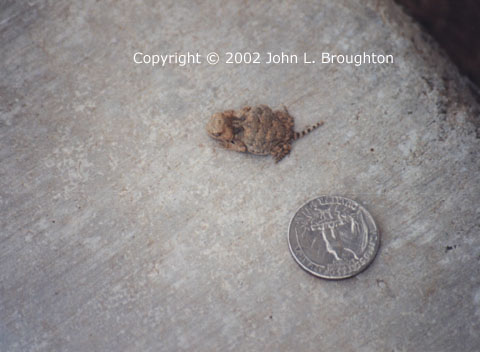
[(307, 130)]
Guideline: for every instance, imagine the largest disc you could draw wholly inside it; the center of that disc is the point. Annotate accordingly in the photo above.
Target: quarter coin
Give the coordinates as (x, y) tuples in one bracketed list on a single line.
[(333, 237)]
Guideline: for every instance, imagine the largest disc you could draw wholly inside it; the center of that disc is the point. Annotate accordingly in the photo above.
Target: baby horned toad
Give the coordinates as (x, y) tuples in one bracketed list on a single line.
[(257, 130)]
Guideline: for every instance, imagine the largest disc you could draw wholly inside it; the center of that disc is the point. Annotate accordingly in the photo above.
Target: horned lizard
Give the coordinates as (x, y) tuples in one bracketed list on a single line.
[(256, 130)]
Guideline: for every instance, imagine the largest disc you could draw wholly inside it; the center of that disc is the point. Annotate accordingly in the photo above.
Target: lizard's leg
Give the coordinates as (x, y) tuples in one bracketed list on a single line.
[(280, 151), (285, 117), (237, 121), (235, 145)]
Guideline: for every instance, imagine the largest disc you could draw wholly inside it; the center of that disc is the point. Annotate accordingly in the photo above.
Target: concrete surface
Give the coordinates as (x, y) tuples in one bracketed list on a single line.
[(125, 228)]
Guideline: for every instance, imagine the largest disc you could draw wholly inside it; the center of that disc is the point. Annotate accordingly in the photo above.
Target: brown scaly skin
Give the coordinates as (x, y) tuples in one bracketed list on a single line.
[(257, 130)]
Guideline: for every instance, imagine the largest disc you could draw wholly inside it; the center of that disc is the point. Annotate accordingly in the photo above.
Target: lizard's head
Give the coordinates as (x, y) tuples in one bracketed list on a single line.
[(219, 127)]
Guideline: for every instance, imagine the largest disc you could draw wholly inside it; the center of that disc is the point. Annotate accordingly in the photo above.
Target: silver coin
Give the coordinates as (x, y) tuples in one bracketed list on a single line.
[(333, 237)]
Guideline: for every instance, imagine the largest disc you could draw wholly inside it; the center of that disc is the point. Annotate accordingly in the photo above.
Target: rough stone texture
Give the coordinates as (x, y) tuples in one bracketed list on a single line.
[(125, 228)]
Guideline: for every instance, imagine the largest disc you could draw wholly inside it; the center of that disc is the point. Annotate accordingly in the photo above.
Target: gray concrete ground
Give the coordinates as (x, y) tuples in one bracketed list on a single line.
[(125, 228)]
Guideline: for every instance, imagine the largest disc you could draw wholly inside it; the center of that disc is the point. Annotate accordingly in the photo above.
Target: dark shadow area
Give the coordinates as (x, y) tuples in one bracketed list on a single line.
[(455, 25)]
